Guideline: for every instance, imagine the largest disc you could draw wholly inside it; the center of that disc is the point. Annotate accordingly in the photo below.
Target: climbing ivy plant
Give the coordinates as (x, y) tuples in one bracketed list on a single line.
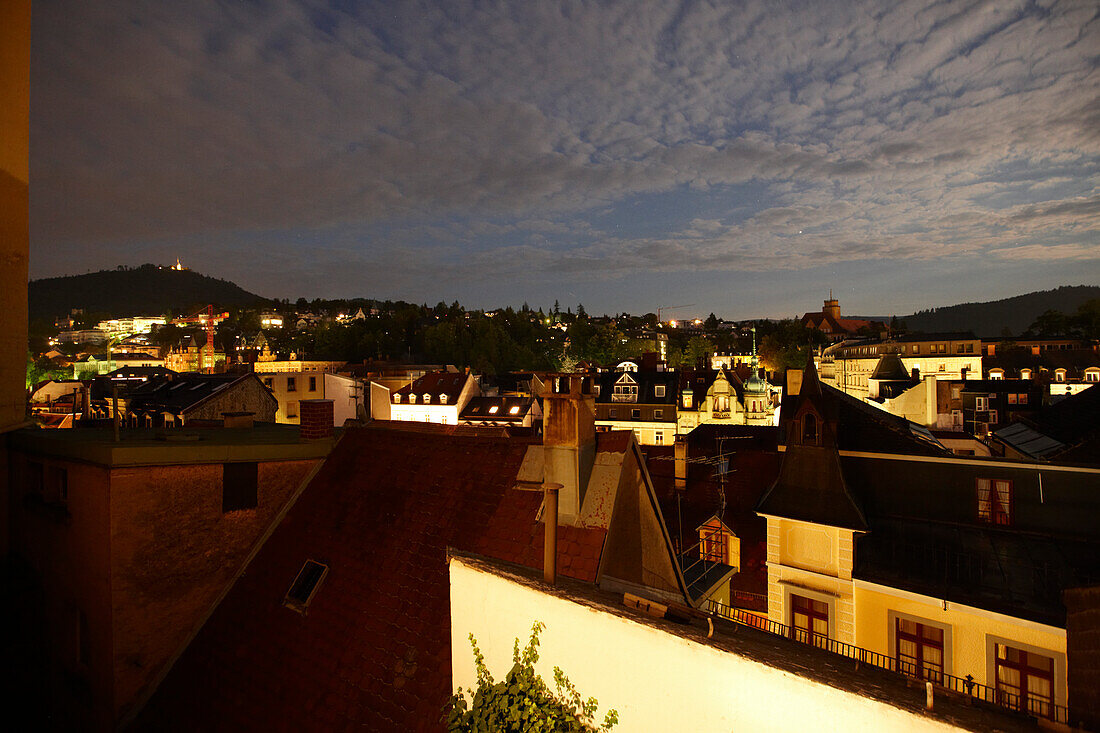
[(522, 701)]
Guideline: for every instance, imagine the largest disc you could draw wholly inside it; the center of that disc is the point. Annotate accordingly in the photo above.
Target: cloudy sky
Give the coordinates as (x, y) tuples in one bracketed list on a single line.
[(744, 157)]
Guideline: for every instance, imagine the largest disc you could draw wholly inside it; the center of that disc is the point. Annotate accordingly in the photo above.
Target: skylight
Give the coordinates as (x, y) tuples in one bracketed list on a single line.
[(305, 586)]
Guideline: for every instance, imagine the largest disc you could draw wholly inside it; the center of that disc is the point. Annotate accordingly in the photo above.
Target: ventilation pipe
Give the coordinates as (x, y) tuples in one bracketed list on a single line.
[(550, 522)]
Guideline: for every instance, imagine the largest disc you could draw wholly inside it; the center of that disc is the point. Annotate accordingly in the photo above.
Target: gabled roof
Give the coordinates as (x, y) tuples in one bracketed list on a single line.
[(373, 649), (811, 488), (436, 384), (183, 393), (889, 368)]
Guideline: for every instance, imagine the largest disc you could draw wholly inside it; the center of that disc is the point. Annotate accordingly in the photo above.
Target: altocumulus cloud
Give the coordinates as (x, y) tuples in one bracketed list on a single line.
[(488, 135)]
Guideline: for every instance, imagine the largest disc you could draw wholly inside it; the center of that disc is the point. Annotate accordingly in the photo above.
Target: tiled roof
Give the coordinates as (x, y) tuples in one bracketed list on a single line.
[(481, 408), (182, 392), (436, 384), (373, 650)]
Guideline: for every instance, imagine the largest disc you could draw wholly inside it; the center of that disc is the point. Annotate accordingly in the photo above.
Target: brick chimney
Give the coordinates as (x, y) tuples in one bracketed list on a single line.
[(316, 419), (569, 441)]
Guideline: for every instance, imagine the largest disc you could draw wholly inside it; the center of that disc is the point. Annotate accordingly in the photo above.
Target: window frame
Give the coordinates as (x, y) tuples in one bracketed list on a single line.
[(998, 501), (291, 384), (920, 641)]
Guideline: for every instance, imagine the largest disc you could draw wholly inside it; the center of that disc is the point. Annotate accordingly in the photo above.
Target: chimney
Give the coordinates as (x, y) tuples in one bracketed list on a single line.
[(681, 454), (794, 382), (569, 441), (316, 419)]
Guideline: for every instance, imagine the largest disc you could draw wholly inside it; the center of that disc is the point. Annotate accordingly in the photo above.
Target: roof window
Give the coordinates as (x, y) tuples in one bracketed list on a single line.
[(305, 586), (514, 410)]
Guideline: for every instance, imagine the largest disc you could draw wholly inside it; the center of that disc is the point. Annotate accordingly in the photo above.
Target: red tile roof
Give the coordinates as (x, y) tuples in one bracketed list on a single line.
[(373, 650)]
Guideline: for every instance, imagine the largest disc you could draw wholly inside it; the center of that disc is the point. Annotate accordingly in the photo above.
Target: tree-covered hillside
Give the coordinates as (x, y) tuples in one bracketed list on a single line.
[(145, 290), (993, 318)]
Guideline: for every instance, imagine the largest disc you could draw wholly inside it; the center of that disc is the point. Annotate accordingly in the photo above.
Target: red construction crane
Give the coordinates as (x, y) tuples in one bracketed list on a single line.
[(207, 320)]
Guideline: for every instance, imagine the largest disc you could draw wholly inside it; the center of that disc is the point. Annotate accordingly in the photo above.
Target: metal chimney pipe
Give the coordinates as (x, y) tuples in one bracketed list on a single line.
[(550, 543)]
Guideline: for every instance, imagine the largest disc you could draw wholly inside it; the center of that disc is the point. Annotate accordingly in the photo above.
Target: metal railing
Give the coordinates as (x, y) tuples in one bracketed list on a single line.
[(961, 685)]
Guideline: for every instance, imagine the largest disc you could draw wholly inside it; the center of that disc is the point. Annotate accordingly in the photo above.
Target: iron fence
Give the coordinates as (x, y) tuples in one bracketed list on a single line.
[(961, 685)]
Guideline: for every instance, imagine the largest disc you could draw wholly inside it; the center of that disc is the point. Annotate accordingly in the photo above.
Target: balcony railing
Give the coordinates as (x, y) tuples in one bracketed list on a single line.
[(960, 685)]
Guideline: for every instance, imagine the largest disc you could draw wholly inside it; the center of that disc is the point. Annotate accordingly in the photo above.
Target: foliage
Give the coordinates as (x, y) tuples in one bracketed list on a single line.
[(1084, 323), (43, 369), (522, 701)]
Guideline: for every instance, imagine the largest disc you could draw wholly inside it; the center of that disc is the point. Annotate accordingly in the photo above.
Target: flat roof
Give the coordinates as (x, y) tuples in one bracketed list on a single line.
[(168, 446), (775, 651)]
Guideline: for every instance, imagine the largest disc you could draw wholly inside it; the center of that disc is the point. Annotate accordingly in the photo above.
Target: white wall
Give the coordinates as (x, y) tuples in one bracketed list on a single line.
[(655, 680)]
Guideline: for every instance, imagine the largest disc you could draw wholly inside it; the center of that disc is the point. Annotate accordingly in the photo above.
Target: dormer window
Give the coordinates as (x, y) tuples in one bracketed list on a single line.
[(809, 429), (687, 400), (397, 399), (1025, 374), (412, 399), (997, 373), (1059, 375), (1092, 375), (427, 398), (442, 399)]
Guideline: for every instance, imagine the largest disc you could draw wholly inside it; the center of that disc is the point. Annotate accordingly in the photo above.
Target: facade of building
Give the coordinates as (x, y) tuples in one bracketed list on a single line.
[(850, 365), (291, 387), (98, 364), (950, 568), (641, 400), (437, 397), (192, 355), (129, 545)]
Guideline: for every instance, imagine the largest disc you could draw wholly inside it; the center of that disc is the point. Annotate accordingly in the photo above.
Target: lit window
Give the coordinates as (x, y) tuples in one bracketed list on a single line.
[(1022, 398), (442, 399), (514, 410), (493, 410), (1011, 399), (412, 399), (397, 399), (427, 398), (996, 374), (658, 437), (919, 650), (995, 501), (809, 620), (1092, 375), (1059, 375), (1025, 680), (981, 404), (1025, 374)]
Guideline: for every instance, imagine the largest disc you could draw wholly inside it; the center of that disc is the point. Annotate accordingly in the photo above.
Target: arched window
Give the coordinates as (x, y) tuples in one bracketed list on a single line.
[(809, 428)]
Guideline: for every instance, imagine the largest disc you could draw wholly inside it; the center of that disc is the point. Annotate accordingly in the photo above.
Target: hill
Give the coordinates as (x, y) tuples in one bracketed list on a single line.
[(992, 318), (145, 290)]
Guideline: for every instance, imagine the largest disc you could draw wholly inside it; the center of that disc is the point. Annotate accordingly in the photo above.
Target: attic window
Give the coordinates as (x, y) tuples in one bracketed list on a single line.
[(809, 428), (493, 410), (397, 399), (514, 410), (305, 586), (412, 399), (427, 398), (442, 399)]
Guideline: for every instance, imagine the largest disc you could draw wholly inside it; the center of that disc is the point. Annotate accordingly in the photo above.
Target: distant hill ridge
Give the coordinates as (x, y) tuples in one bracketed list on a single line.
[(145, 290), (991, 319)]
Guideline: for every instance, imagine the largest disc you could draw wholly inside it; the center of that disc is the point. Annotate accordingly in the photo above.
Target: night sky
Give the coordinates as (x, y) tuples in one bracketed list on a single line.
[(745, 157)]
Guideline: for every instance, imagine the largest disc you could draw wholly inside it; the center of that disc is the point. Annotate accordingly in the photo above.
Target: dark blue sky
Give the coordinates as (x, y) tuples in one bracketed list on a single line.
[(745, 157)]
